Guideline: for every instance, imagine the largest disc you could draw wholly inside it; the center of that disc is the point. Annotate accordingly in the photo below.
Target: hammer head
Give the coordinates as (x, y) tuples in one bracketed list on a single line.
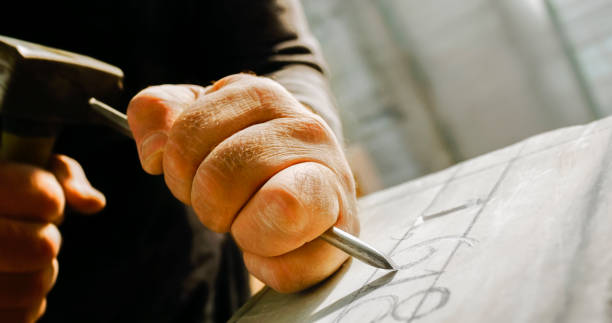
[(50, 87)]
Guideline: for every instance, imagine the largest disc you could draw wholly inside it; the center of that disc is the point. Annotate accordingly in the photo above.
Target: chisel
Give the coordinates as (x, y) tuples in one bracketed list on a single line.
[(334, 236)]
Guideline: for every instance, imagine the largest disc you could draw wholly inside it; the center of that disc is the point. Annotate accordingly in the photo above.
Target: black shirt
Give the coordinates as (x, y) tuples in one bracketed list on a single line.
[(146, 257)]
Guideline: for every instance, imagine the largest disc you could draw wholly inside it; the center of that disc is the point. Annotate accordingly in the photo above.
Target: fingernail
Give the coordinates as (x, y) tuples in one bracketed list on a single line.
[(152, 151)]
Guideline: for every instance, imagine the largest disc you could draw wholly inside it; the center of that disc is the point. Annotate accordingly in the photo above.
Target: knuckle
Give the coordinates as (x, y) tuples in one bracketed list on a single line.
[(318, 189), (311, 129), (264, 93), (47, 243), (312, 179), (281, 211), (258, 95), (242, 77), (47, 193), (262, 87)]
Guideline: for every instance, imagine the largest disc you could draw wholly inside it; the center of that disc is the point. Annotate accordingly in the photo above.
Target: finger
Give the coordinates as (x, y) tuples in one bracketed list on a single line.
[(298, 269), (27, 246), (230, 105), (23, 290), (310, 263), (240, 165), (28, 192), (292, 208), (151, 114), (21, 315), (79, 193)]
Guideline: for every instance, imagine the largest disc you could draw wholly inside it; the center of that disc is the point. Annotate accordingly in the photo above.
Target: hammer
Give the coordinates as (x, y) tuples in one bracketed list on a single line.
[(43, 88)]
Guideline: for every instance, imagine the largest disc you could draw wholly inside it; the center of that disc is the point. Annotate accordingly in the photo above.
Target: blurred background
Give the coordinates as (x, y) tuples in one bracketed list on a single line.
[(422, 85)]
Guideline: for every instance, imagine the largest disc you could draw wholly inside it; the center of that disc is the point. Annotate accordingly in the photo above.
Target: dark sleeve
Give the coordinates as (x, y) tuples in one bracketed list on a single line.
[(271, 38)]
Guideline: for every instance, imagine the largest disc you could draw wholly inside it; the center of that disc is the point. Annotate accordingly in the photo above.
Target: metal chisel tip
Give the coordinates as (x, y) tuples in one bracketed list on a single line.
[(358, 249)]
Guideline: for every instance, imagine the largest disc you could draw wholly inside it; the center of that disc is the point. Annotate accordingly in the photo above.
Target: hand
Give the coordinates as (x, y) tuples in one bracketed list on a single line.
[(252, 160), (31, 204)]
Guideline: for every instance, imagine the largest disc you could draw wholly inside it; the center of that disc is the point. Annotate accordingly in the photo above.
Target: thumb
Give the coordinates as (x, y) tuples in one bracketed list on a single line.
[(151, 114), (79, 193)]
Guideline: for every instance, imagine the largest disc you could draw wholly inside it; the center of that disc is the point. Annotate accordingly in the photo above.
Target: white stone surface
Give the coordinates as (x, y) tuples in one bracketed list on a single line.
[(522, 234)]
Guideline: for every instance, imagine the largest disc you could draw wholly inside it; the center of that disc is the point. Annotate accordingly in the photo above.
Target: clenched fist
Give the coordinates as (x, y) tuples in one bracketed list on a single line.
[(31, 204), (252, 160)]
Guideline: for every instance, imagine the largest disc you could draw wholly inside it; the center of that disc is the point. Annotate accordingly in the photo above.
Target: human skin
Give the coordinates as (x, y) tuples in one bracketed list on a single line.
[(251, 160), (32, 202), (243, 153)]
